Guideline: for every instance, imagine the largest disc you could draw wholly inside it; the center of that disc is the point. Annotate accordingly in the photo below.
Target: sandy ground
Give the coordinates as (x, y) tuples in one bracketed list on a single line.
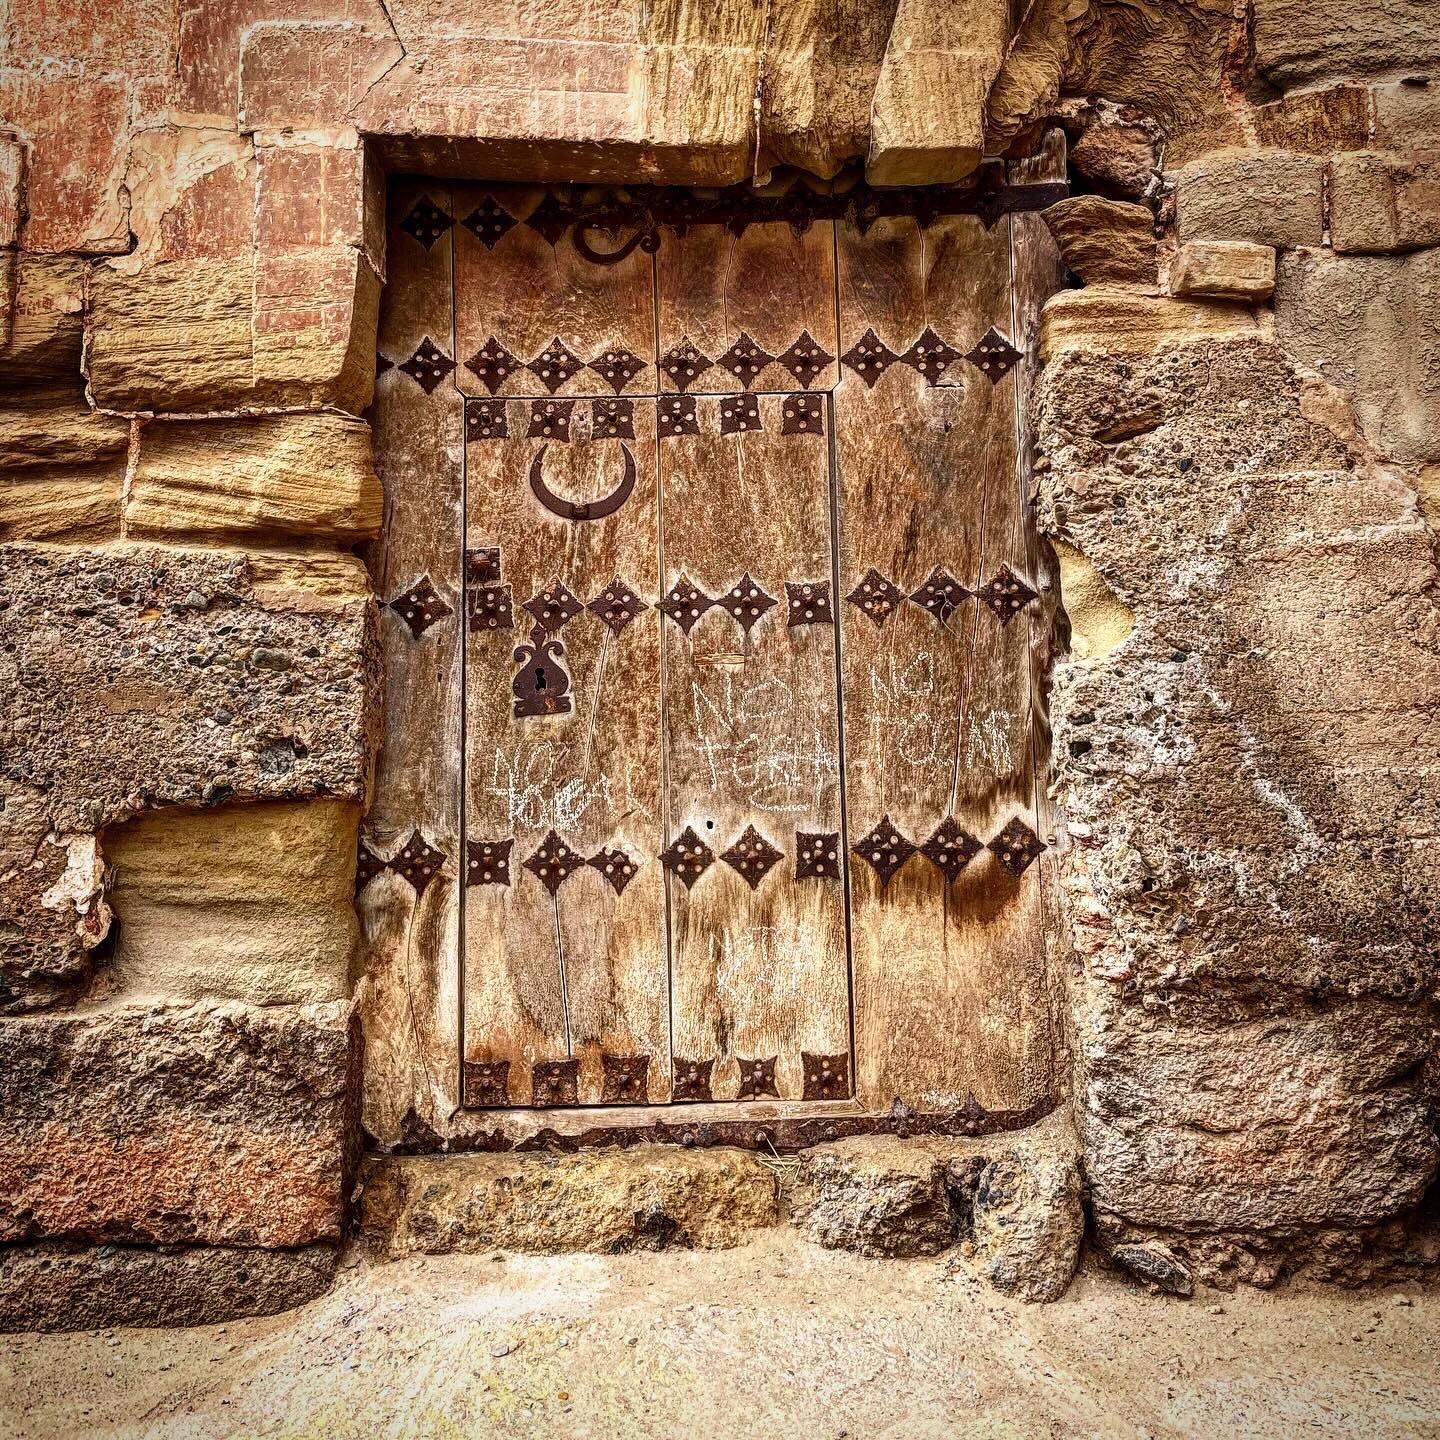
[(777, 1339)]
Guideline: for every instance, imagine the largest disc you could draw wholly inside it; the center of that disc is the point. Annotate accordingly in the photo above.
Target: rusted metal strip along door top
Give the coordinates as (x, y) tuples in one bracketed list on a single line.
[(746, 741)]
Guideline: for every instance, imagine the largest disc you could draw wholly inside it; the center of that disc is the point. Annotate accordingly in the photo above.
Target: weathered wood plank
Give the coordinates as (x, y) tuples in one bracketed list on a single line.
[(752, 739), (410, 971)]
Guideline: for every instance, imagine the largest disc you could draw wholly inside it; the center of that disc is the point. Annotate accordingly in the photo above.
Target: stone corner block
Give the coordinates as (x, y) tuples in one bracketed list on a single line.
[(1104, 241), (1224, 270), (208, 1125), (612, 1201), (1271, 197), (1121, 320)]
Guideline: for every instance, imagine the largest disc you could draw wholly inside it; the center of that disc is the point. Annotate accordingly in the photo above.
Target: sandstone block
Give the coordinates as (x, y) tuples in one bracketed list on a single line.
[(1300, 42), (649, 1197), (1114, 149), (927, 119), (311, 197), (1381, 203), (43, 331), (1104, 241), (137, 675), (1122, 320), (216, 1125), (308, 75), (1316, 122), (1369, 325), (1224, 270), (246, 902), (281, 475), (1407, 117), (875, 1195), (1271, 197), (54, 1286)]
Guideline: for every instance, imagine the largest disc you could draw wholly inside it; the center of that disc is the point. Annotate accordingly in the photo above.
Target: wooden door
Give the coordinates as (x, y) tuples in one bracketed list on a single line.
[(744, 610)]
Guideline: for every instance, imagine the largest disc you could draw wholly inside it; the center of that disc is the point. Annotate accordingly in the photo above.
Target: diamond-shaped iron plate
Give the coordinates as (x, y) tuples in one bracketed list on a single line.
[(875, 597), (367, 866), (802, 415), (809, 602), (1007, 594), (420, 606), (555, 1082), (941, 594), (806, 359), (554, 862), (617, 605), (382, 364), (624, 1079), (489, 607), (746, 602), (931, 356), (487, 1082), (688, 857), (817, 854), (488, 223), (612, 419), (757, 1079), (827, 1077), (950, 849), (487, 862), (692, 1080), (738, 413), (554, 607), (1017, 846), (745, 360), (428, 366), (993, 356), (555, 365), (869, 357), (550, 420), (550, 217), (426, 222), (492, 365), (616, 866), (753, 856), (486, 420), (684, 365), (685, 604), (676, 415), (418, 862), (885, 850), (617, 367)]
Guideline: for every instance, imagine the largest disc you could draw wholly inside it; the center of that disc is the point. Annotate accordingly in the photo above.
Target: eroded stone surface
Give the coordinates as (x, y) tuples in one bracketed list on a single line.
[(1225, 270), (648, 1197), (1271, 197), (212, 1125), (1381, 202), (1299, 42), (1104, 241)]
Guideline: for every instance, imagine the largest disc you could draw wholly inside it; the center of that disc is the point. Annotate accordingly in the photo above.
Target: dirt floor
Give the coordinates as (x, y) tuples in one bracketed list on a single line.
[(777, 1339)]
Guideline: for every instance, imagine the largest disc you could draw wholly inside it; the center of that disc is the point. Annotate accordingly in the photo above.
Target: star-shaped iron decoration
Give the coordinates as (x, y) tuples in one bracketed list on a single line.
[(617, 605), (941, 594), (931, 356), (612, 419), (869, 357), (550, 420), (753, 856), (993, 356), (757, 1079), (950, 849), (809, 602), (684, 365), (488, 223), (688, 857), (875, 597), (428, 366), (676, 415), (1007, 594), (420, 606), (616, 866), (555, 365), (555, 1082), (1017, 846), (554, 607), (692, 1080), (802, 415), (885, 850), (746, 602), (487, 862), (624, 1079), (549, 218), (685, 604), (617, 367), (806, 359), (554, 862), (367, 866), (827, 1077), (486, 420), (817, 854), (418, 862), (745, 360), (738, 413), (492, 365), (426, 222)]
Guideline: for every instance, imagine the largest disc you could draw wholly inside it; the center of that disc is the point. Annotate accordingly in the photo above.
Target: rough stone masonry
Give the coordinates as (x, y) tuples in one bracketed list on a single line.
[(1237, 432)]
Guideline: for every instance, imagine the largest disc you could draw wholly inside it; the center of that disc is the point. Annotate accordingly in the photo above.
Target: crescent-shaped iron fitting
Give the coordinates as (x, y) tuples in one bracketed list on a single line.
[(581, 509)]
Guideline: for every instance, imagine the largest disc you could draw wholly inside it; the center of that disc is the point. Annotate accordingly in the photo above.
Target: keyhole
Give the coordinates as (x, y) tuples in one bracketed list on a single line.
[(539, 677)]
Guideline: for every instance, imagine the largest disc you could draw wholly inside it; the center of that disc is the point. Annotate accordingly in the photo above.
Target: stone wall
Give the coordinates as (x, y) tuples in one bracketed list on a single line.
[(1240, 489)]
